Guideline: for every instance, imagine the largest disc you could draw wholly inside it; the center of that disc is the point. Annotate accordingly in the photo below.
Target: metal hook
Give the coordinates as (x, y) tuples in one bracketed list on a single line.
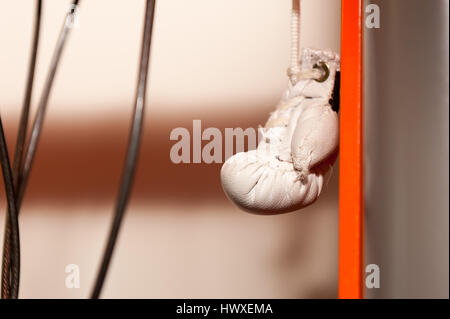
[(325, 68)]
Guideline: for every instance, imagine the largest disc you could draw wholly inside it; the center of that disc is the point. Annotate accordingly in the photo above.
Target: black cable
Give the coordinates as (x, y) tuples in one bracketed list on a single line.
[(18, 155), (42, 107), (133, 148), (23, 124), (12, 211), (39, 118)]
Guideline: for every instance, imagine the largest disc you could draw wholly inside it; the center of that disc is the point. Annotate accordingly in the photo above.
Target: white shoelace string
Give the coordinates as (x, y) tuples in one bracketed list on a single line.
[(294, 72)]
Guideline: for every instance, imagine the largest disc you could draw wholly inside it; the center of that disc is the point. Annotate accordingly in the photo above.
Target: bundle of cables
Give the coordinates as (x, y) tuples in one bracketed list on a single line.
[(16, 178)]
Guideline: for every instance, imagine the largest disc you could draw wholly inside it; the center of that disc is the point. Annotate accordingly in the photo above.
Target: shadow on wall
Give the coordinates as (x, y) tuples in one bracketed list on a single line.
[(82, 161), (407, 149)]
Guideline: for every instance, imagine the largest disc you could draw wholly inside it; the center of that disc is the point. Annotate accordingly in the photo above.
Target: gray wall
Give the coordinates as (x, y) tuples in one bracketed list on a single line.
[(407, 148)]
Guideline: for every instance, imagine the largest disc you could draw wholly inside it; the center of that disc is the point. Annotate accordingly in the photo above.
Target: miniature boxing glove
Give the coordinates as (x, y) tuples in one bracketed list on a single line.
[(299, 145)]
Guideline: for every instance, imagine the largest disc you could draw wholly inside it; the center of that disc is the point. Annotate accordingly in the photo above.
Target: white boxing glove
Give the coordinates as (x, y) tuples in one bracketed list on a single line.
[(298, 146)]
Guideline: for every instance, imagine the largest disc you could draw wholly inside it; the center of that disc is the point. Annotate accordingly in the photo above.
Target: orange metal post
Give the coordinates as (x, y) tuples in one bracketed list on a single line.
[(351, 193)]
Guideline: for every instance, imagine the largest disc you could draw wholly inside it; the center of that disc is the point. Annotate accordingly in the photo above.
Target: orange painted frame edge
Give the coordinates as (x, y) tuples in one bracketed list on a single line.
[(351, 170)]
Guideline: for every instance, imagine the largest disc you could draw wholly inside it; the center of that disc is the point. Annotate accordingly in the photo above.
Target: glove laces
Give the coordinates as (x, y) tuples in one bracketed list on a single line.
[(294, 72)]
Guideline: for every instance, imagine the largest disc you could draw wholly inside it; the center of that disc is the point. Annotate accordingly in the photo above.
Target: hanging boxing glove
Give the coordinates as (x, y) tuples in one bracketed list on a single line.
[(299, 144)]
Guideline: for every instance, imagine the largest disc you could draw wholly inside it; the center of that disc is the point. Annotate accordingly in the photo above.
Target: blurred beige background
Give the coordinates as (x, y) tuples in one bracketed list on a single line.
[(223, 62)]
